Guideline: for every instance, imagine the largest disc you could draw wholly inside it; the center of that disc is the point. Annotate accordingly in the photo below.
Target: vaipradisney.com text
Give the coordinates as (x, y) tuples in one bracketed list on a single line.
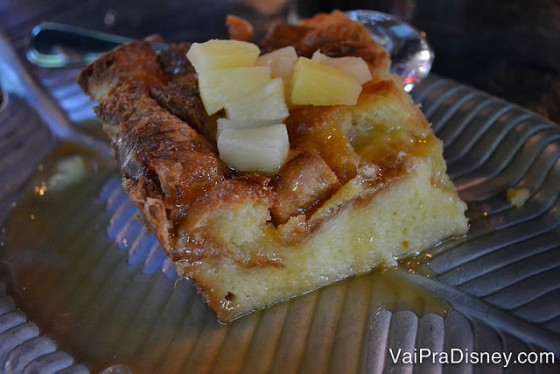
[(466, 356)]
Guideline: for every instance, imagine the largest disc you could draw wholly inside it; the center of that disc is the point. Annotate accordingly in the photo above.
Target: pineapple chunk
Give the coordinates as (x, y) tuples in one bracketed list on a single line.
[(225, 123), (218, 87), (281, 62), (355, 66), (314, 83), (221, 54), (265, 104), (261, 149)]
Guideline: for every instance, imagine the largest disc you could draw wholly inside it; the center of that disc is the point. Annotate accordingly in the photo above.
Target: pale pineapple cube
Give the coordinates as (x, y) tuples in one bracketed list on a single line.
[(355, 66), (265, 104), (281, 62), (222, 54), (262, 150), (314, 83), (219, 87), (225, 123)]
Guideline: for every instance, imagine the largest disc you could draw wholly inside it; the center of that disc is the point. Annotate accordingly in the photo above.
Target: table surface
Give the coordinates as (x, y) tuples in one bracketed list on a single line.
[(507, 48)]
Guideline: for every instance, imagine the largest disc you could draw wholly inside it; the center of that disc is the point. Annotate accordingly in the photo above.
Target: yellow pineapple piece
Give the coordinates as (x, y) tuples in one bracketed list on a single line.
[(221, 54), (218, 87), (262, 149), (263, 104), (226, 123), (314, 83), (281, 62), (355, 66)]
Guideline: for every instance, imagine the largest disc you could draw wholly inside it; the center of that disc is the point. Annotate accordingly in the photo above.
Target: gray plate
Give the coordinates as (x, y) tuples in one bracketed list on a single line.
[(86, 288)]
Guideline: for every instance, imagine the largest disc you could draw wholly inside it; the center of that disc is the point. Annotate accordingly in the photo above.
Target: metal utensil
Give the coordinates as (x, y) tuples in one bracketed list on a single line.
[(411, 54), (57, 45)]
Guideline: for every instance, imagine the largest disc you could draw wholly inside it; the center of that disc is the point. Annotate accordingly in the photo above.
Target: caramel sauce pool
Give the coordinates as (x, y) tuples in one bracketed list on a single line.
[(82, 290)]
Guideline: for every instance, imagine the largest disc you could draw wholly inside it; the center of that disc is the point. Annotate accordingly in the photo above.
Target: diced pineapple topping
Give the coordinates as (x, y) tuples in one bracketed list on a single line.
[(355, 66), (219, 87), (281, 62), (254, 90), (314, 83), (226, 123), (261, 149), (265, 104), (222, 54)]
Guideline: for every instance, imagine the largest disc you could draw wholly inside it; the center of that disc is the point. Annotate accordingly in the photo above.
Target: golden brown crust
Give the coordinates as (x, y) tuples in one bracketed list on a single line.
[(244, 195), (239, 29), (174, 62), (284, 35), (165, 163), (302, 184), (181, 96), (334, 35), (154, 210), (136, 63), (153, 144)]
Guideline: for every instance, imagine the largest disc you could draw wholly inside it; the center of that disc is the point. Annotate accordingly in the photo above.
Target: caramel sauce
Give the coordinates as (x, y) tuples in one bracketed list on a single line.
[(75, 284), (346, 144), (380, 144), (321, 128)]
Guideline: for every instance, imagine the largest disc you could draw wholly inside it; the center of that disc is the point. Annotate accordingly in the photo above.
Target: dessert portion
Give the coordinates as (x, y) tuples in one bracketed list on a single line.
[(274, 171)]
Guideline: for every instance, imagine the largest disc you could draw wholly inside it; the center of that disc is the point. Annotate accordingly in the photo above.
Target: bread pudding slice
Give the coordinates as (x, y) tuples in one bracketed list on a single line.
[(362, 186)]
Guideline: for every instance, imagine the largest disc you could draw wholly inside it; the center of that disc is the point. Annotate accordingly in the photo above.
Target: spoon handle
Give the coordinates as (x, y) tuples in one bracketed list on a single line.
[(56, 45)]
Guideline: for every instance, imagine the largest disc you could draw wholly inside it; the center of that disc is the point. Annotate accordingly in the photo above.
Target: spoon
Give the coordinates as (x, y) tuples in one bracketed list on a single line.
[(411, 54), (55, 45)]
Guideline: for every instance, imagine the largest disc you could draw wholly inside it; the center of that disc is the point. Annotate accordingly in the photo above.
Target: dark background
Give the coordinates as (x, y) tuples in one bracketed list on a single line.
[(508, 48)]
